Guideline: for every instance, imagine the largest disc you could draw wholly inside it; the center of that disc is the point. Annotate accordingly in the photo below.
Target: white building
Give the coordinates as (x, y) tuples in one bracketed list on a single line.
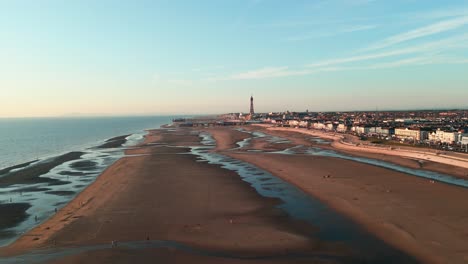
[(293, 123), (303, 124), (341, 128), (406, 133), (358, 129), (444, 136), (464, 141), (329, 127), (318, 125)]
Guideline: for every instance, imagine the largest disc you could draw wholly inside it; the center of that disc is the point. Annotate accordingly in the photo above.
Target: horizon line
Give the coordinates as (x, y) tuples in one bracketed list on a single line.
[(208, 114)]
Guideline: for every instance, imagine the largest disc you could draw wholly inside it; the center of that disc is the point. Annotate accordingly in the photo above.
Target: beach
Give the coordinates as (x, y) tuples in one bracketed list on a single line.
[(157, 193), (425, 219), (160, 193)]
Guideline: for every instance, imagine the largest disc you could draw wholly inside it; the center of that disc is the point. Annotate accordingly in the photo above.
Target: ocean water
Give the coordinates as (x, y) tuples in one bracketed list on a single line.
[(27, 139), (26, 201)]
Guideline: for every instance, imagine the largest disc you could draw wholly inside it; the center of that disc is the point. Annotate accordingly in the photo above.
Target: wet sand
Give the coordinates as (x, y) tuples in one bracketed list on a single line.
[(22, 165), (162, 193), (427, 220), (114, 142), (230, 138), (31, 175), (12, 214)]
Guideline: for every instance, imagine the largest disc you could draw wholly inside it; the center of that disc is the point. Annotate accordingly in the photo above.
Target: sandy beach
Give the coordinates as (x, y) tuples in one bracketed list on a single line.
[(427, 220), (159, 193)]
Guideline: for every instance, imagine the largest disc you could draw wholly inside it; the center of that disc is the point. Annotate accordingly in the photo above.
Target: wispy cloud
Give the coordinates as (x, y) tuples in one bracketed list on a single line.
[(262, 73), (439, 13), (266, 72), (432, 29), (432, 47), (416, 55), (381, 55), (413, 61), (345, 30), (272, 72), (359, 28), (362, 57), (297, 23), (422, 60)]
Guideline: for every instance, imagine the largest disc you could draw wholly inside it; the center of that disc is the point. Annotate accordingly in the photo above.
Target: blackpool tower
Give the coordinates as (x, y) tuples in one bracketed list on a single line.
[(251, 106)]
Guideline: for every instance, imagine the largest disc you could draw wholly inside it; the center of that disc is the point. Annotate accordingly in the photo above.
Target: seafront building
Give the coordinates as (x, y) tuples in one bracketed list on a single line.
[(448, 137), (464, 141), (437, 128), (412, 134)]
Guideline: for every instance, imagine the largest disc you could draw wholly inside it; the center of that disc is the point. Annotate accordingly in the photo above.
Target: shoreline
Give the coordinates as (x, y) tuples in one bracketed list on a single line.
[(72, 170)]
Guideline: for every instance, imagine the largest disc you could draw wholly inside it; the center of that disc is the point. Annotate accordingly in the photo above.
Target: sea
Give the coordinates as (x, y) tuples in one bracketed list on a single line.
[(26, 139), (46, 162)]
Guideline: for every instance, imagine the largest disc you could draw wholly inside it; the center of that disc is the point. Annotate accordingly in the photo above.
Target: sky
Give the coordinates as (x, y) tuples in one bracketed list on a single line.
[(87, 57)]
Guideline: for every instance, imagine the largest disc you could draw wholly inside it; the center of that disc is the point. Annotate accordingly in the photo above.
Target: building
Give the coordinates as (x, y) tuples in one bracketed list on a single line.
[(414, 134), (318, 125), (358, 129), (464, 141), (461, 136), (364, 130), (448, 137), (341, 128)]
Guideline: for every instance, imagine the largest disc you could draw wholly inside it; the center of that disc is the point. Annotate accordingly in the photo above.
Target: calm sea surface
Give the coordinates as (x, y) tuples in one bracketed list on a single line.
[(23, 140)]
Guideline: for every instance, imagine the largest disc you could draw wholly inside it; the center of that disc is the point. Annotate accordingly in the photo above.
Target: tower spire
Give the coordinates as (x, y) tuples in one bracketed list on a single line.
[(251, 105)]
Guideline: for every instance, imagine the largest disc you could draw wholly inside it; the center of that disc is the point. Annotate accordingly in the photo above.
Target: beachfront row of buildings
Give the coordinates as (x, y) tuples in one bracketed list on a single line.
[(418, 134), (447, 129)]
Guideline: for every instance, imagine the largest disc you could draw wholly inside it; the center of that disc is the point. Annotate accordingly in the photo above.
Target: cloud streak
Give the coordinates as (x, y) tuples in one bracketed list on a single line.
[(423, 54), (262, 73), (432, 47), (272, 72), (381, 55), (333, 33), (432, 29)]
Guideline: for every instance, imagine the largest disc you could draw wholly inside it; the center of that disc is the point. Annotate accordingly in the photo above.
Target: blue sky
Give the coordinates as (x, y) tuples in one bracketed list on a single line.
[(167, 57)]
